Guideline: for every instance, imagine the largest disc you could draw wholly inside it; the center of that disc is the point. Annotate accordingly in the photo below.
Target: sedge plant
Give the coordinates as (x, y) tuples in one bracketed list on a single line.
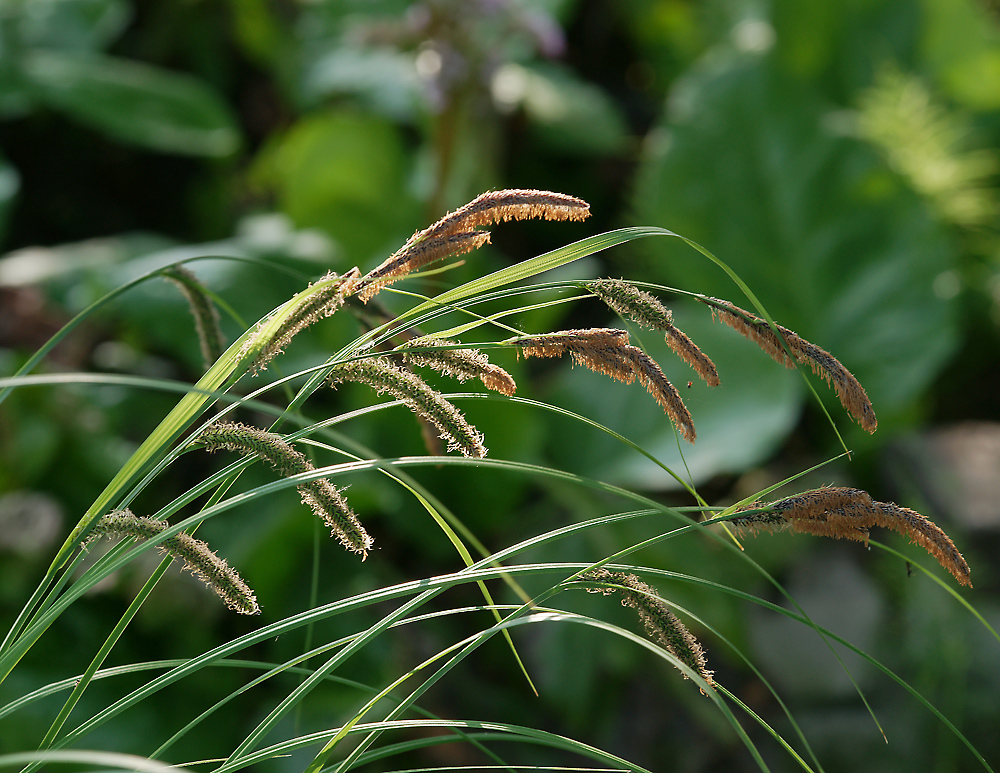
[(381, 722)]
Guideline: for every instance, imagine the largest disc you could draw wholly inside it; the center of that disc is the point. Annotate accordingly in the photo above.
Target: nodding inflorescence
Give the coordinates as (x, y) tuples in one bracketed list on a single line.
[(660, 623), (849, 513), (198, 558), (790, 348), (607, 351), (645, 310), (461, 363), (325, 499), (456, 233), (206, 316), (382, 375), (320, 300)]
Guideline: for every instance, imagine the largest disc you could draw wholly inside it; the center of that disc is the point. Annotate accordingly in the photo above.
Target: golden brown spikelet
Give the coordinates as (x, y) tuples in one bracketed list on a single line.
[(849, 513), (462, 364), (688, 351), (510, 204), (646, 311), (850, 392), (607, 351), (456, 233), (416, 255), (924, 532)]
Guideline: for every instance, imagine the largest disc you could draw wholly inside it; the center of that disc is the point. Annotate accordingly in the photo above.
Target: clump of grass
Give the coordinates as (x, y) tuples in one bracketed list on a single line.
[(370, 360)]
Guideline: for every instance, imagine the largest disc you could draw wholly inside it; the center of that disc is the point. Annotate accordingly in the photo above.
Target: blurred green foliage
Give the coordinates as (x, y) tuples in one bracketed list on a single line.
[(802, 142)]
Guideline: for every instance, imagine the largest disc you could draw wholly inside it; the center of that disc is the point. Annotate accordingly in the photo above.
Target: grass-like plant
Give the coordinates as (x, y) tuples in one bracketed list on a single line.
[(388, 355)]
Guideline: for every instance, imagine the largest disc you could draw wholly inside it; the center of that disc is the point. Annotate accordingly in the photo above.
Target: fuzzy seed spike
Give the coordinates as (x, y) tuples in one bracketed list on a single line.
[(660, 623), (849, 513), (309, 309), (511, 204), (198, 558), (461, 364), (206, 316), (607, 351), (849, 391), (383, 376), (320, 495)]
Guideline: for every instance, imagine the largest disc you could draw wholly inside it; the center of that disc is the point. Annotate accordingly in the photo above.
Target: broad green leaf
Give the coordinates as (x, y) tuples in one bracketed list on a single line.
[(72, 25), (961, 43), (831, 241), (566, 112), (137, 103), (384, 79), (346, 174)]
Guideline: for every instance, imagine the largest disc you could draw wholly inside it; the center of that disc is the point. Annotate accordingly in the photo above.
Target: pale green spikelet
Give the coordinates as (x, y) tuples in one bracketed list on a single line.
[(661, 624), (320, 300), (321, 496), (198, 558), (382, 376), (206, 316), (461, 364)]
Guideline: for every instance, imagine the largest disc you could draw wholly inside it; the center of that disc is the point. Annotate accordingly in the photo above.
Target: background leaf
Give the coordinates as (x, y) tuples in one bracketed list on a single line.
[(154, 108), (837, 248)]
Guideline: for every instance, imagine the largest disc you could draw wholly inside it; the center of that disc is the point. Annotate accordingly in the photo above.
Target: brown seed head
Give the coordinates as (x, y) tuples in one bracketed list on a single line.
[(850, 392), (512, 204), (849, 513), (461, 364), (607, 351), (646, 311)]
